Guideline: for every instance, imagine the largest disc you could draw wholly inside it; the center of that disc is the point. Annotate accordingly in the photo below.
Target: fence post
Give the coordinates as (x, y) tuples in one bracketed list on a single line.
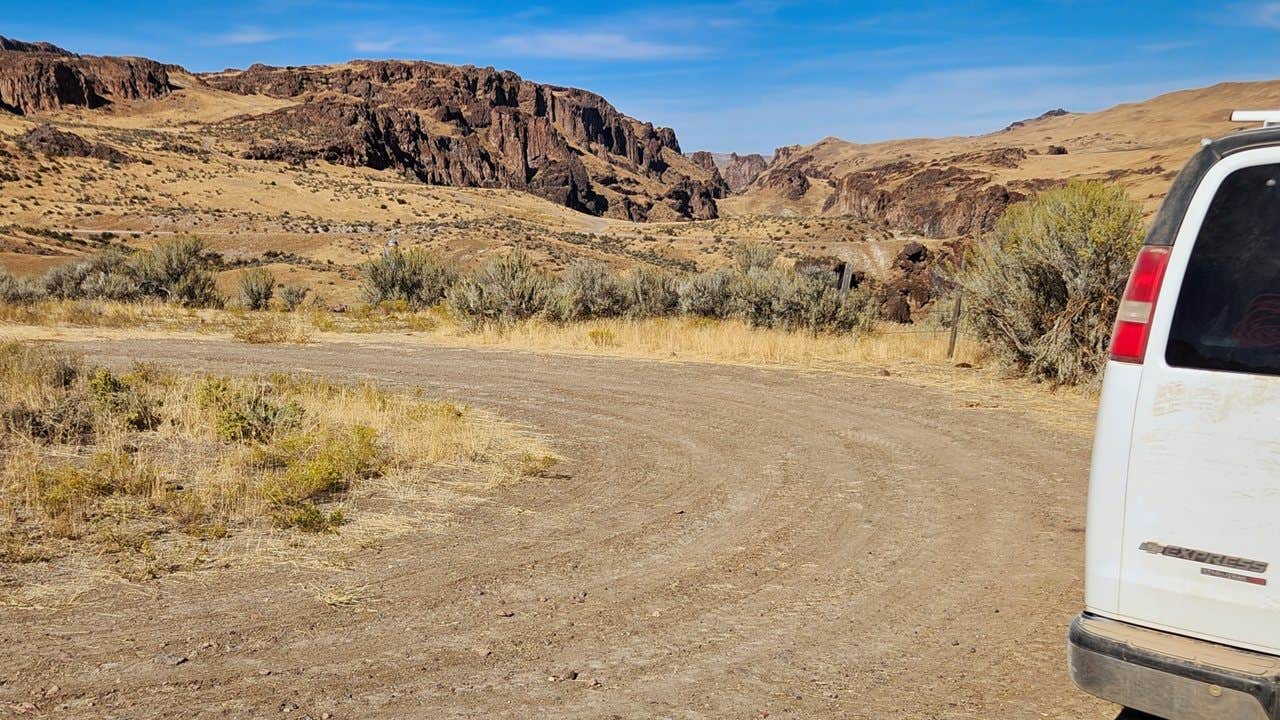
[(955, 317), (846, 277)]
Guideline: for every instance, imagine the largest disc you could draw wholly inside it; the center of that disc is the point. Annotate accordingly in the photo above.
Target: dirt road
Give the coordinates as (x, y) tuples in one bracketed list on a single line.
[(726, 542)]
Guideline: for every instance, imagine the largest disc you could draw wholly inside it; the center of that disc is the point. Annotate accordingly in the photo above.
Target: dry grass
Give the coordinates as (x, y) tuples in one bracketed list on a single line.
[(274, 329), (148, 473), (915, 354), (725, 341)]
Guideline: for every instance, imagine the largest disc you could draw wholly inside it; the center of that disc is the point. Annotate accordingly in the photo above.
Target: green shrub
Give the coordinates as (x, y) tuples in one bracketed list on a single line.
[(749, 296), (706, 294), (307, 518), (417, 277), (255, 287), (649, 292), (106, 275), (175, 270), (240, 416), (18, 291), (505, 289), (587, 290), (292, 297), (66, 488), (748, 256), (1042, 291), (124, 400), (319, 465), (804, 303)]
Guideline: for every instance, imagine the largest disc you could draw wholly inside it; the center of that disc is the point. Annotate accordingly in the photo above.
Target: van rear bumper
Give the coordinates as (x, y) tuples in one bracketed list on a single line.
[(1171, 676)]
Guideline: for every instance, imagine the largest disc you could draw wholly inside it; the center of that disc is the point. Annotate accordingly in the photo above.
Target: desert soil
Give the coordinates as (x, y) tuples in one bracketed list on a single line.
[(719, 542)]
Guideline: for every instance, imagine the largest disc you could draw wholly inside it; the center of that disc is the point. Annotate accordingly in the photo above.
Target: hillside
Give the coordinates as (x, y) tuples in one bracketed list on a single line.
[(311, 170), (955, 186), (314, 169)]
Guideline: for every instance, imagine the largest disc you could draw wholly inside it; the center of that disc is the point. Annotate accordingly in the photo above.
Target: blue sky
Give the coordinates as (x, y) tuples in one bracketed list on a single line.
[(748, 75)]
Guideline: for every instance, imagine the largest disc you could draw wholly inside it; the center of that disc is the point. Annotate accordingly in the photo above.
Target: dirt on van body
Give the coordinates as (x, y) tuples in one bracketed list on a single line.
[(720, 542)]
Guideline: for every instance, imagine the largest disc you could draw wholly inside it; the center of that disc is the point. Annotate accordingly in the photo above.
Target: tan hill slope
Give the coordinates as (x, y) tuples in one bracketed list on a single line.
[(953, 186)]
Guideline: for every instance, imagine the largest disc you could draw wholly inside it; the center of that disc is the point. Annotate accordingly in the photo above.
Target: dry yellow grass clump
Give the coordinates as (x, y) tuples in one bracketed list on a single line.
[(153, 472)]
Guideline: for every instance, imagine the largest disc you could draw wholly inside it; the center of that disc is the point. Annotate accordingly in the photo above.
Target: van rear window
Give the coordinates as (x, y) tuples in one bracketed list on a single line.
[(1228, 312)]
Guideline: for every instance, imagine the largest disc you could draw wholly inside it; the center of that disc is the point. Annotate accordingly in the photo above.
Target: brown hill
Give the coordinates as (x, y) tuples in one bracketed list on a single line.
[(955, 186), (440, 124), (38, 77), (475, 127)]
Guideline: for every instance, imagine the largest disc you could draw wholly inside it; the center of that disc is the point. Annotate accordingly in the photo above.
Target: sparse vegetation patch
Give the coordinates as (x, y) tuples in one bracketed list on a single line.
[(153, 472)]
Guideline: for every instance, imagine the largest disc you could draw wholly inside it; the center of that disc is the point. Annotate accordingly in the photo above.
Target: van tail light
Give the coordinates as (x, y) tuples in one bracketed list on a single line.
[(1133, 322)]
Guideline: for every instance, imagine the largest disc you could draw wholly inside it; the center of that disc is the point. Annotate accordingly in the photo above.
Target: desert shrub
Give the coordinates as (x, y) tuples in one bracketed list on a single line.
[(649, 292), (602, 337), (749, 296), (292, 297), (175, 270), (587, 290), (67, 418), (748, 256), (18, 291), (251, 415), (307, 518), (67, 489), (104, 275), (417, 277), (125, 400), (505, 289), (255, 287), (319, 465), (64, 281), (706, 294), (801, 302), (1042, 290)]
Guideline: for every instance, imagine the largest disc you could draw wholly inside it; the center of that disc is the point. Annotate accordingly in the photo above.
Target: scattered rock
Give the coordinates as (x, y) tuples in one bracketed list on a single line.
[(170, 658), (1056, 150)]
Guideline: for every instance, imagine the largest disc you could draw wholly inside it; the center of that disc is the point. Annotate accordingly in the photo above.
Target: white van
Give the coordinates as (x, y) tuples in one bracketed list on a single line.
[(1182, 611)]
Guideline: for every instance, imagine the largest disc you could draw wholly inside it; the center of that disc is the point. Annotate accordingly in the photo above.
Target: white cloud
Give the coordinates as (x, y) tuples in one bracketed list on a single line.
[(375, 46), (590, 46), (1266, 14), (246, 36)]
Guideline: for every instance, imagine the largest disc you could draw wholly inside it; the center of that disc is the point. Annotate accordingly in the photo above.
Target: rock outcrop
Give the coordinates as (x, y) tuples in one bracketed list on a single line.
[(742, 170), (935, 200), (478, 127), (39, 77), (789, 181), (60, 143)]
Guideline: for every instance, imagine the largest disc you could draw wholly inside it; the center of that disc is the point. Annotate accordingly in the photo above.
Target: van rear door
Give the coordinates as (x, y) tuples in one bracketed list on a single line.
[(1201, 539)]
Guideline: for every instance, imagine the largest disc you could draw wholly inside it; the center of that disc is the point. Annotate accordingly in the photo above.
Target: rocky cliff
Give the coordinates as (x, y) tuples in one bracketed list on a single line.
[(38, 77), (935, 200), (477, 127), (742, 170)]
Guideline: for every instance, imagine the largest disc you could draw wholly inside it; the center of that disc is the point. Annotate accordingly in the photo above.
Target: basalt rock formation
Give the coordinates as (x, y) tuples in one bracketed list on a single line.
[(60, 143), (38, 77), (477, 127), (742, 170), (935, 200)]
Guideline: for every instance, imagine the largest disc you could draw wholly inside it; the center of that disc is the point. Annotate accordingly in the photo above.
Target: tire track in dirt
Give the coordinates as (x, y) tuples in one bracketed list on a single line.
[(750, 541)]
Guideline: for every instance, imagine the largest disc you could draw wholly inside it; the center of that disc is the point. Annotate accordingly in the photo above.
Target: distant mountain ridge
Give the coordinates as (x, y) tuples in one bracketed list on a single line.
[(959, 186)]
